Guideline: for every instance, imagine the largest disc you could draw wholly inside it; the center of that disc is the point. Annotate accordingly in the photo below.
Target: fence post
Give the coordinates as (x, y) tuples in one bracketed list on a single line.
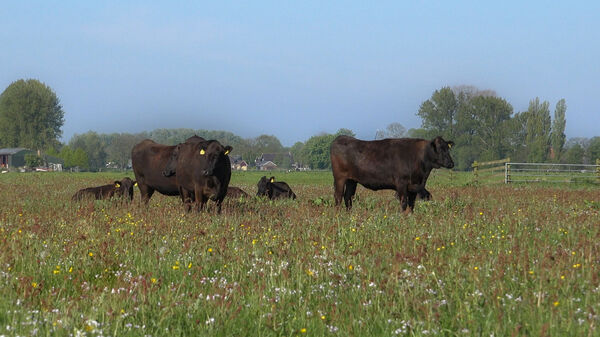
[(598, 169), (506, 172), (475, 165)]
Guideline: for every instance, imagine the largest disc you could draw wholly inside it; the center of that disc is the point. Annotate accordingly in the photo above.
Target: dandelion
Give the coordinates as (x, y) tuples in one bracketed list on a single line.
[(531, 272), (176, 265), (210, 250), (153, 280), (417, 238), (476, 268), (556, 303), (350, 267), (309, 272), (90, 254), (70, 269), (323, 317), (562, 277), (303, 330), (190, 265), (34, 284)]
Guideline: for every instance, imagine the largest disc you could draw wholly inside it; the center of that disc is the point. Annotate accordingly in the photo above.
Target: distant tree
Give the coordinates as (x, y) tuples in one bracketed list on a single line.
[(316, 151), (345, 132), (94, 147), (267, 144), (393, 130), (296, 151), (118, 148), (489, 115), (593, 150), (515, 137), (30, 116), (557, 134), (537, 139), (438, 114), (418, 133), (79, 158), (573, 155)]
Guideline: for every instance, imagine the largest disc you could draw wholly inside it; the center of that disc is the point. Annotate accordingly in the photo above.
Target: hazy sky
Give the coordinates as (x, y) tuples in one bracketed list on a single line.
[(295, 69)]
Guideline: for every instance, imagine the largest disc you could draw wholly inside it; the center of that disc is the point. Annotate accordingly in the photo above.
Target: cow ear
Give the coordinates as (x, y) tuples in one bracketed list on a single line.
[(117, 184), (202, 152), (228, 149), (434, 145)]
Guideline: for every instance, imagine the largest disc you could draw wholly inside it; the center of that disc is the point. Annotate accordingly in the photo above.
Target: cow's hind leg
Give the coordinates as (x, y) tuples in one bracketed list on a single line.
[(402, 194), (145, 192), (349, 193), (338, 185), (412, 196)]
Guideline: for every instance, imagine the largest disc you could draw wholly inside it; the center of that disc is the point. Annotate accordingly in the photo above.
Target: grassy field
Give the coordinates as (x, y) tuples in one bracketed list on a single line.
[(477, 260)]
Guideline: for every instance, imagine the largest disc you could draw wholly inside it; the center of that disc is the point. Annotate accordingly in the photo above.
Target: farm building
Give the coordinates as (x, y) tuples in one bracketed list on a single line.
[(267, 166), (13, 157), (237, 163)]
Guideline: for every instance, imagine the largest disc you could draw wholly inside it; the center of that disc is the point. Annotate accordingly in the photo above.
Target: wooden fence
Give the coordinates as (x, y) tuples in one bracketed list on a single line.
[(490, 171)]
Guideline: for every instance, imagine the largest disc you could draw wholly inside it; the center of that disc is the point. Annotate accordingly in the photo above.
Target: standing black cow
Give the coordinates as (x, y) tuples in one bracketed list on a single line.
[(203, 171), (401, 164), (274, 189), (123, 188), (148, 159)]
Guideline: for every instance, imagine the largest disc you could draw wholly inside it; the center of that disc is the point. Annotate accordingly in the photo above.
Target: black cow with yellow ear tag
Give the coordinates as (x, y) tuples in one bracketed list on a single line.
[(122, 188), (274, 189), (203, 172)]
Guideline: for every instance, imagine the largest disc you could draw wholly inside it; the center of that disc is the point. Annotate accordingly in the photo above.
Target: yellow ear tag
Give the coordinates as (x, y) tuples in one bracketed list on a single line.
[(449, 145), (202, 152), (272, 180), (227, 152), (117, 185), (135, 184)]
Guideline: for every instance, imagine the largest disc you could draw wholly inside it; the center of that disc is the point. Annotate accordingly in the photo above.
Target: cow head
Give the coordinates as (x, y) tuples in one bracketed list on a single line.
[(209, 153), (124, 188), (441, 150), (171, 166), (263, 187)]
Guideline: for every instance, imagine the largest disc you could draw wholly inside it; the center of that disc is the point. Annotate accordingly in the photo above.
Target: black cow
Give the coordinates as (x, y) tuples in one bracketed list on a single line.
[(123, 188), (236, 192), (148, 159), (203, 171), (274, 189), (401, 164)]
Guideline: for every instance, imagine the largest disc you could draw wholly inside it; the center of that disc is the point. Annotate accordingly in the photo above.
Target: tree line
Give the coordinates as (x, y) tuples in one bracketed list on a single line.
[(482, 125)]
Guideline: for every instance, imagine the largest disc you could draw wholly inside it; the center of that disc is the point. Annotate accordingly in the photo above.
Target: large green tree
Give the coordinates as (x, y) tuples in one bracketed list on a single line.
[(438, 114), (30, 116), (557, 135), (538, 126)]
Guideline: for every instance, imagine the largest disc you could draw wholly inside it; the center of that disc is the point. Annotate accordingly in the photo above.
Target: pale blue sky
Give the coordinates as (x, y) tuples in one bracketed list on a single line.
[(295, 69)]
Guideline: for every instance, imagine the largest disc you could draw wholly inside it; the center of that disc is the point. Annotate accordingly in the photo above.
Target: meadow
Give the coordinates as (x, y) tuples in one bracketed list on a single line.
[(477, 260)]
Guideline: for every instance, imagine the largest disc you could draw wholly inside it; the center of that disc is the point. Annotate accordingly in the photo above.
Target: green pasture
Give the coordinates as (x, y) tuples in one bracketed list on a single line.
[(477, 260)]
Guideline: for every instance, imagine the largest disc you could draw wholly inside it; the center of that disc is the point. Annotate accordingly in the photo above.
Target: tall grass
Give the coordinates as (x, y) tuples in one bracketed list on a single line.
[(476, 260)]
